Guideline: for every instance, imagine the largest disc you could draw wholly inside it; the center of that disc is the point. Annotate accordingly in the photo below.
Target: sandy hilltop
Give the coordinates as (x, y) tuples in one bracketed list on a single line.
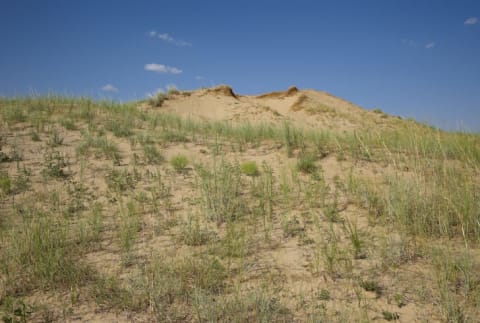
[(304, 108)]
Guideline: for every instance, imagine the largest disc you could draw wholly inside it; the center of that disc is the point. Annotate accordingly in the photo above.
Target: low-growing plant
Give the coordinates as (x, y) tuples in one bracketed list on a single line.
[(179, 163), (306, 163), (151, 153), (68, 124), (120, 180), (250, 168), (55, 139), (5, 183), (157, 99), (34, 136), (192, 234), (54, 162), (390, 316), (371, 286)]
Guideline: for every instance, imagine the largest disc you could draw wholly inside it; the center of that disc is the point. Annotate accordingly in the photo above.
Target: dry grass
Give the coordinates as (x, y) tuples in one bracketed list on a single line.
[(109, 212)]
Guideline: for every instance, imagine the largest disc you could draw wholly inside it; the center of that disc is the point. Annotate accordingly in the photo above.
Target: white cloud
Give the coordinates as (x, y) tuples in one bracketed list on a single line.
[(430, 45), (165, 37), (471, 21), (109, 88), (199, 78), (160, 68), (169, 39)]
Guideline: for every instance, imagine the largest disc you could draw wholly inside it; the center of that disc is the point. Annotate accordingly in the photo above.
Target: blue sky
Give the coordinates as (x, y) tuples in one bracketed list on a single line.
[(416, 59)]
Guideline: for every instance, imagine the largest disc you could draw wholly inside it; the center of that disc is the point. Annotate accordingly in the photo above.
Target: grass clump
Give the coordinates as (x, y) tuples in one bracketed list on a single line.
[(250, 168), (54, 162), (221, 192), (120, 180), (152, 155), (179, 163), (5, 183), (306, 163), (157, 99), (40, 255)]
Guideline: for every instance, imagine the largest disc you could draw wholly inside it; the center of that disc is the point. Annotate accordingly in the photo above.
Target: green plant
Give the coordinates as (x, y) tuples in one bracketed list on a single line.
[(15, 310), (371, 286), (220, 189), (34, 136), (152, 155), (323, 294), (120, 180), (54, 162), (55, 139), (357, 242), (250, 168), (306, 163), (194, 235), (179, 163), (390, 316), (68, 124), (5, 183), (158, 99)]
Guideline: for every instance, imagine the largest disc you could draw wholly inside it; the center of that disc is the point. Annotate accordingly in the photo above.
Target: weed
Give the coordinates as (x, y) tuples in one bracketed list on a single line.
[(55, 139), (221, 192), (5, 183), (250, 168), (179, 163), (54, 162), (152, 155), (306, 163), (371, 286), (34, 136), (119, 180), (157, 99), (68, 124), (390, 316), (355, 238), (193, 235)]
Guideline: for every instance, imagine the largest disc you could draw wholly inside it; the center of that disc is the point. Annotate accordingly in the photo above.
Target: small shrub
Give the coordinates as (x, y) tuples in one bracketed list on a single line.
[(306, 163), (68, 124), (390, 316), (250, 168), (120, 180), (152, 155), (371, 286), (5, 183), (34, 136), (54, 164), (158, 99), (55, 139), (179, 163)]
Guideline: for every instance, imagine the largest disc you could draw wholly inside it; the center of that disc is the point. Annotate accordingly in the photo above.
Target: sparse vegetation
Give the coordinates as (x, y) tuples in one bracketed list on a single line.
[(84, 193)]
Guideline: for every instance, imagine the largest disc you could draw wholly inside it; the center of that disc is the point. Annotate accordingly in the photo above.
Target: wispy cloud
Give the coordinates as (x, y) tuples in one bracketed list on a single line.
[(160, 68), (471, 21), (415, 44), (109, 88), (169, 39), (199, 78), (430, 45)]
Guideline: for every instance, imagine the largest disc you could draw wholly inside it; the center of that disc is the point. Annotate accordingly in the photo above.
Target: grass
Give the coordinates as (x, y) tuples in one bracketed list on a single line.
[(250, 168), (179, 163), (84, 193)]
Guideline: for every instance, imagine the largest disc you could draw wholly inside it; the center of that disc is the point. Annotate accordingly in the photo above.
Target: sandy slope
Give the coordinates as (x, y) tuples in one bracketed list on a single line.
[(305, 108)]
